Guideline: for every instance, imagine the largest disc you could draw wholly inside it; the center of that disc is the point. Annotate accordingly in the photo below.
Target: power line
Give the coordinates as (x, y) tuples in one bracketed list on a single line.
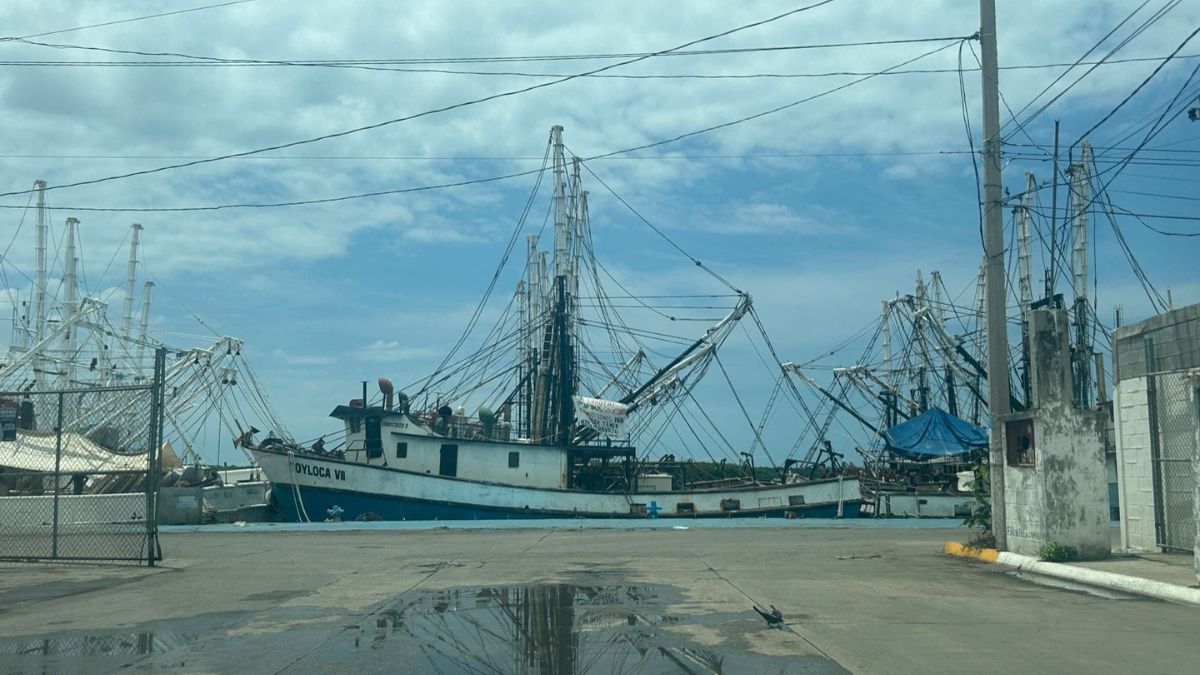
[(301, 202), (201, 60), (493, 178), (775, 155), (1137, 89), (1153, 18), (120, 21), (772, 111), (1155, 194), (622, 76), (433, 111)]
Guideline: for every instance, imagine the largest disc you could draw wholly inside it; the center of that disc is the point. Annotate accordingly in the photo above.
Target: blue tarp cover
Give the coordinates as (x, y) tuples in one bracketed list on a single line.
[(936, 433)]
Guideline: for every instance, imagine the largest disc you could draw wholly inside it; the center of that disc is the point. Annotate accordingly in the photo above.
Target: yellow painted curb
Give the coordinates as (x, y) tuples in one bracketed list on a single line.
[(963, 551)]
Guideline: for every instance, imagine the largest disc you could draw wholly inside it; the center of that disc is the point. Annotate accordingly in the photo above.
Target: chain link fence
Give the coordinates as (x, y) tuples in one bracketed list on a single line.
[(79, 471), (1173, 419)]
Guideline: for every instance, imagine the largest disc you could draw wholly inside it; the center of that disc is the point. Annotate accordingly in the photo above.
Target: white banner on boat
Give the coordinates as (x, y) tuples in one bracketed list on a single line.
[(606, 417)]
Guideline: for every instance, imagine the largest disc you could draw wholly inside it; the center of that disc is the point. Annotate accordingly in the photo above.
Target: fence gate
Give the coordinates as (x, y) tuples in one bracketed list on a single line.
[(79, 473), (1173, 420)]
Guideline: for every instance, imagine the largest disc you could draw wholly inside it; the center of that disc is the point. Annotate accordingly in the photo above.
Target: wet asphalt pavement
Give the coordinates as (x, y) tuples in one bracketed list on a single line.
[(571, 601)]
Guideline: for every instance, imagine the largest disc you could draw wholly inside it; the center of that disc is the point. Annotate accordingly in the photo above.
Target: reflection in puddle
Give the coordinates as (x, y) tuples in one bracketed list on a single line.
[(121, 644), (543, 630)]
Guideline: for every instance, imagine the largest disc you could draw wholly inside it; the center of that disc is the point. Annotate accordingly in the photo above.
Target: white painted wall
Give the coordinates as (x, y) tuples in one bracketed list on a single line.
[(480, 460), (538, 465), (1134, 469)]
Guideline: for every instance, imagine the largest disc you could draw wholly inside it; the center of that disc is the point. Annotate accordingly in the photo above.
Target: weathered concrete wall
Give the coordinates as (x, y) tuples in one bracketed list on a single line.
[(1063, 497), (1074, 481), (1023, 509), (1135, 476)]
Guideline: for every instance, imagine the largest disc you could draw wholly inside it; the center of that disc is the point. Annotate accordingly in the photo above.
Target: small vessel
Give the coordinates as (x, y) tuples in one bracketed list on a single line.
[(558, 445)]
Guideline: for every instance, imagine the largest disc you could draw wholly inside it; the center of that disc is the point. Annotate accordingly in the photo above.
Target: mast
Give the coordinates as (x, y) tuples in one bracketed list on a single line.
[(39, 321), (553, 407), (980, 342), (575, 227), (886, 331), (1079, 267), (935, 282), (522, 348), (145, 322), (532, 340), (890, 412), (921, 390), (130, 280), (1024, 240), (562, 233), (70, 302), (1025, 280)]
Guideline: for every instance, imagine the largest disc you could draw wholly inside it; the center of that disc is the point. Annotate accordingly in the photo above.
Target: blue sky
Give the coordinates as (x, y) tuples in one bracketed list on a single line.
[(819, 211)]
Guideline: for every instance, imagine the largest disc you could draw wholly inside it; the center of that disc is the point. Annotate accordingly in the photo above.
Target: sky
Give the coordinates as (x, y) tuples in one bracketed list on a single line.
[(819, 210)]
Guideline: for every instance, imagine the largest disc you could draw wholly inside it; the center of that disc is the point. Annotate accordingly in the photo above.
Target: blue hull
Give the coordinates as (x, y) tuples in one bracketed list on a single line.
[(317, 503)]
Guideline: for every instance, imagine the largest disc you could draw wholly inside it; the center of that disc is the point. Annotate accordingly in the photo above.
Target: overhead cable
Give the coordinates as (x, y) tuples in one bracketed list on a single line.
[(432, 111)]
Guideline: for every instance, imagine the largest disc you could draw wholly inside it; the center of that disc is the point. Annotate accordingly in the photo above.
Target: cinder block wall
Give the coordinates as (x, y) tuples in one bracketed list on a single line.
[(1174, 338), (1134, 469)]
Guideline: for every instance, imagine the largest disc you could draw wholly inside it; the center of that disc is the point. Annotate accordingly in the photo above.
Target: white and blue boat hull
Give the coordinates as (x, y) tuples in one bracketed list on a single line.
[(308, 488)]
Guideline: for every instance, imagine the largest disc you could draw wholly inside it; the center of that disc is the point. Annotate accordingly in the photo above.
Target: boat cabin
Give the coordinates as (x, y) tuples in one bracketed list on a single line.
[(454, 446)]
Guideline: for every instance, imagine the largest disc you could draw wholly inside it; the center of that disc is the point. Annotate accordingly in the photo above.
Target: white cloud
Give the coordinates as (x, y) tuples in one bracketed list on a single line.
[(818, 240)]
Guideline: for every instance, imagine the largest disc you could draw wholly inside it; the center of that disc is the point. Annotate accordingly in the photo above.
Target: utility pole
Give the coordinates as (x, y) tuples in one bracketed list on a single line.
[(993, 225)]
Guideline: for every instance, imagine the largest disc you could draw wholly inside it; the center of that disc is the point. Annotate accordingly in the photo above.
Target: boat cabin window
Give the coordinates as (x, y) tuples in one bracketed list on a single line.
[(685, 507), (514, 460), (402, 450), (448, 466), (354, 425), (374, 438), (731, 504)]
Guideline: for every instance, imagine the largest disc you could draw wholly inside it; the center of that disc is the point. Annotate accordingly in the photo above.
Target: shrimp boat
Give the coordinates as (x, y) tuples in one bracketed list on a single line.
[(560, 443)]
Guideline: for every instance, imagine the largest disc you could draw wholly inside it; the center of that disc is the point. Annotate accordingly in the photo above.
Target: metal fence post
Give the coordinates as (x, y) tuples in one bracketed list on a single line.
[(153, 459), (58, 432), (1156, 477)]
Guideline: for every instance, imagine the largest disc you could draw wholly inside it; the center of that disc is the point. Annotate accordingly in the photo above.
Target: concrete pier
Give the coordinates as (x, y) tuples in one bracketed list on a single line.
[(856, 599)]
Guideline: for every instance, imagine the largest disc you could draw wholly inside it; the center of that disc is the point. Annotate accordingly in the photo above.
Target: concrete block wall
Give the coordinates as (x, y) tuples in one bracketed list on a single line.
[(1176, 338), (1135, 476)]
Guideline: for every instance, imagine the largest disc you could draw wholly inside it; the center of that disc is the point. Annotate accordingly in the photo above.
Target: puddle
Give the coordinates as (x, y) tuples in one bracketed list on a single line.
[(88, 652), (544, 629), (117, 644)]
